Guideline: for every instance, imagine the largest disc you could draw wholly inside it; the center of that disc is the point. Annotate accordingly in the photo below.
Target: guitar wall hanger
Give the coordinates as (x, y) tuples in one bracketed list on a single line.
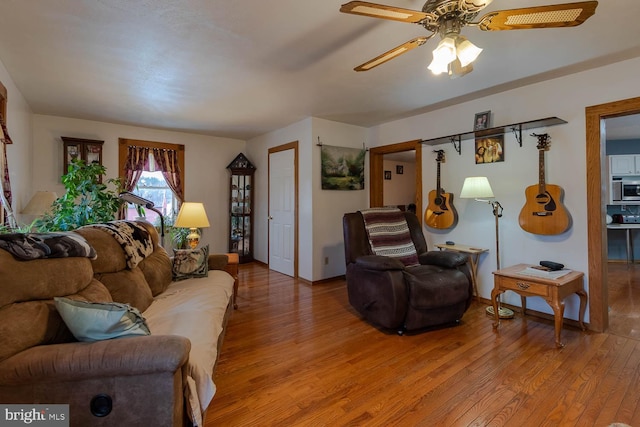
[(516, 128)]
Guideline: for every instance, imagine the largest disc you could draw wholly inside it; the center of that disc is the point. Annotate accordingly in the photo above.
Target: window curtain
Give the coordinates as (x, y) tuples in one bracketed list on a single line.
[(6, 213), (167, 162), (138, 161)]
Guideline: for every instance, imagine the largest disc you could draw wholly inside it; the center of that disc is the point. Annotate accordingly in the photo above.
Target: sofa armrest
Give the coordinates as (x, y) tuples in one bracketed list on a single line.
[(228, 262), (129, 356), (448, 259), (377, 262)]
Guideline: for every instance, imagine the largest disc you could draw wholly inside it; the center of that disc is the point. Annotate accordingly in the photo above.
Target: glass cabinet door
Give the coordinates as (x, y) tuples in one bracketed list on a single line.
[(240, 208), (241, 214)]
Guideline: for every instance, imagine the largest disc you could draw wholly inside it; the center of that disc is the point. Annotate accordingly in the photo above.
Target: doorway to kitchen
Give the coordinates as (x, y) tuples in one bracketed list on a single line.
[(595, 117), (622, 147), (377, 172)]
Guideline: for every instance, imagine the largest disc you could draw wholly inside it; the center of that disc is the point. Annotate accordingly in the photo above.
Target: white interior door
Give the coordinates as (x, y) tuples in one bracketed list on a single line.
[(282, 211)]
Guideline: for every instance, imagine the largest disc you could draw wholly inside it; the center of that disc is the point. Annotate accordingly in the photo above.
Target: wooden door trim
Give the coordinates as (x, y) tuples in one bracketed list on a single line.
[(376, 172), (596, 210), (284, 147)]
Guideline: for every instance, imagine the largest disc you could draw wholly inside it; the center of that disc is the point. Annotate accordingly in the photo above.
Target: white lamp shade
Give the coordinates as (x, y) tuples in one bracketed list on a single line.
[(475, 187), (192, 215), (443, 55), (467, 51), (40, 203)]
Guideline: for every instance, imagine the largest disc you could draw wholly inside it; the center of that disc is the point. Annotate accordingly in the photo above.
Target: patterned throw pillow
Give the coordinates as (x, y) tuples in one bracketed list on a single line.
[(189, 263)]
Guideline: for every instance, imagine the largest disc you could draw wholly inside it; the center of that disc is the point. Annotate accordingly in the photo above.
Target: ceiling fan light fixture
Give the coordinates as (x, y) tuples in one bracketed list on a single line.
[(467, 52), (443, 55)]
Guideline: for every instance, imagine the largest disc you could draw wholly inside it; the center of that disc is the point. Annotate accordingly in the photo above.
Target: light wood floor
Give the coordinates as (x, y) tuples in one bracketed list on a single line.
[(624, 299), (297, 355)]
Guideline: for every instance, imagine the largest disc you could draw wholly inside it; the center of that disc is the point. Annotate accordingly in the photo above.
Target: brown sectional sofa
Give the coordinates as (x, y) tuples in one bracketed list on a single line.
[(154, 380)]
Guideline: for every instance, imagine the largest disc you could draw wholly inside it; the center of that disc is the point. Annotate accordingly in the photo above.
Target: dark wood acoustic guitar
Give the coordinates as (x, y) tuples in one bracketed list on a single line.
[(440, 212), (544, 212)]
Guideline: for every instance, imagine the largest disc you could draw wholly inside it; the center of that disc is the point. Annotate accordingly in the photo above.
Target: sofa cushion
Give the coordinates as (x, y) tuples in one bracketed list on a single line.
[(110, 257), (190, 263), (128, 287), (96, 321), (157, 270), (40, 322), (195, 309), (46, 278)]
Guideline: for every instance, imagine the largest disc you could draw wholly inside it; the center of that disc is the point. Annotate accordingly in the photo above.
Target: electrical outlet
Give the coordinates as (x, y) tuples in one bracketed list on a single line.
[(326, 260), (623, 208)]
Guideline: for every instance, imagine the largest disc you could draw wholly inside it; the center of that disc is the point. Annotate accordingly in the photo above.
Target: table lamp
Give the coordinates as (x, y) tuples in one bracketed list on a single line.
[(193, 216), (478, 188)]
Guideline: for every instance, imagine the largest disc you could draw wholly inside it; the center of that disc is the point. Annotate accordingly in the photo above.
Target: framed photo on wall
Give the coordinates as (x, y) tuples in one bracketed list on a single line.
[(490, 150), (399, 169), (482, 120), (387, 174)]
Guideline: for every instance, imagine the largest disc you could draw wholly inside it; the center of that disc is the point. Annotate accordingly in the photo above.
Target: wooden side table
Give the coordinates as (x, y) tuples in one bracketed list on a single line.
[(554, 291), (474, 254)]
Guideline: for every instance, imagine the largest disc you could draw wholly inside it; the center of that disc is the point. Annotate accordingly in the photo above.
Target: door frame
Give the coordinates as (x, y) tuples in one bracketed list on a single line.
[(596, 210), (290, 146), (376, 172)]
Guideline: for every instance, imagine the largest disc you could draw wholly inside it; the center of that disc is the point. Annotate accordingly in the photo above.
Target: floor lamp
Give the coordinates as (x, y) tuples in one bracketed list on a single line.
[(137, 200), (478, 188)]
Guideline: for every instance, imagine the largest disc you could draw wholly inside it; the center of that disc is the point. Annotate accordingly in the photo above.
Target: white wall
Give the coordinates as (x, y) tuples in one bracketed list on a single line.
[(400, 189), (258, 154), (206, 159), (320, 211), (329, 206), (18, 153), (566, 98)]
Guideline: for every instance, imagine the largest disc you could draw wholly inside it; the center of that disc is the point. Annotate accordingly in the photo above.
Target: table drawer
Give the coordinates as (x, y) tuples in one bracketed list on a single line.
[(522, 286)]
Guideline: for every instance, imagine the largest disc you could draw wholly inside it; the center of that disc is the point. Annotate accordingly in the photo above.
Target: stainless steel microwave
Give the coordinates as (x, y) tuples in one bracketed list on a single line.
[(626, 190)]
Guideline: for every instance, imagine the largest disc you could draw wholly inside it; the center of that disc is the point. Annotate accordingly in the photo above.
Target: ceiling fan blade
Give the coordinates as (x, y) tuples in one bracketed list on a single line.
[(552, 16), (381, 11), (393, 53)]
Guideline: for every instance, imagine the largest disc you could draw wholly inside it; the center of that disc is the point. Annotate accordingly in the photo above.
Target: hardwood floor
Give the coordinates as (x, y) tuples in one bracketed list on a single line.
[(297, 355), (623, 281)]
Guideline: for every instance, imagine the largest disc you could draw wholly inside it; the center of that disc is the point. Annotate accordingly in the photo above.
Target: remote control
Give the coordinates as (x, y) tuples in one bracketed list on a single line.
[(552, 265)]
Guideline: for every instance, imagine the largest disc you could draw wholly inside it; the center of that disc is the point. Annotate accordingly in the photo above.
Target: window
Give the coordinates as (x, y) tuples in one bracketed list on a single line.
[(154, 171), (152, 186)]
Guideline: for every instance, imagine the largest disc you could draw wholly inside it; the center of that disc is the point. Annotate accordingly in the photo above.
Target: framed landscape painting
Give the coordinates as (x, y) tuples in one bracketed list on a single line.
[(342, 168)]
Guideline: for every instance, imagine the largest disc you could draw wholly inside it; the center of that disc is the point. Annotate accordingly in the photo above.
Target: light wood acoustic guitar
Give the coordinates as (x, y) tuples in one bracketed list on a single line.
[(544, 212), (440, 212)]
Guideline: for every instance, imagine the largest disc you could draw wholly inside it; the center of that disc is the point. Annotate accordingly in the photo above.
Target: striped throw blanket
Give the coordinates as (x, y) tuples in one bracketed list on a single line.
[(389, 235)]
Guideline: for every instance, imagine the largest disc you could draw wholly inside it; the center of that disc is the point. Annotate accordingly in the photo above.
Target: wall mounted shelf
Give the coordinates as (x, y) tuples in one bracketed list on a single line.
[(516, 128)]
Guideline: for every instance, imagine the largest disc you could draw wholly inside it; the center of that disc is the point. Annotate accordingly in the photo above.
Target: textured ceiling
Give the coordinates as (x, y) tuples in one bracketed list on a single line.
[(241, 68)]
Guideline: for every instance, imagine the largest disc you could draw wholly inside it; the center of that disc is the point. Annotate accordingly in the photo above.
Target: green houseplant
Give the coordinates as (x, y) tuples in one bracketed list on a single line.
[(87, 200)]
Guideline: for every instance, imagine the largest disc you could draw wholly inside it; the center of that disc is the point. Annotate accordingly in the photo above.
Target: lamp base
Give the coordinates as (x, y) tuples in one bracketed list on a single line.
[(503, 313), (193, 238)]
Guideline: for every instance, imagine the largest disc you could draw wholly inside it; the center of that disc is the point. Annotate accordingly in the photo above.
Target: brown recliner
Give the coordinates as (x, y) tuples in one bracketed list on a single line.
[(392, 296)]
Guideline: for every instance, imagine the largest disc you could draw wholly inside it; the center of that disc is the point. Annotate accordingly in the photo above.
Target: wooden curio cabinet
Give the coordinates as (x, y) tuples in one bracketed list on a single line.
[(241, 208), (89, 150)]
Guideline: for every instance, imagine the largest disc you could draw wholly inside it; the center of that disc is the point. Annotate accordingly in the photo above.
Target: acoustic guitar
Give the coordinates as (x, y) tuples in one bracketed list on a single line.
[(543, 212), (440, 212)]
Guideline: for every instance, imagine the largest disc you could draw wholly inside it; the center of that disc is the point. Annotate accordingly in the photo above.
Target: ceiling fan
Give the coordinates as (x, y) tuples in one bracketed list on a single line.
[(455, 54)]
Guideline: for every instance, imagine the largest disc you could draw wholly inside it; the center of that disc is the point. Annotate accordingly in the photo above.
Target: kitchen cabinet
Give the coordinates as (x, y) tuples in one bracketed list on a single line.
[(624, 165)]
